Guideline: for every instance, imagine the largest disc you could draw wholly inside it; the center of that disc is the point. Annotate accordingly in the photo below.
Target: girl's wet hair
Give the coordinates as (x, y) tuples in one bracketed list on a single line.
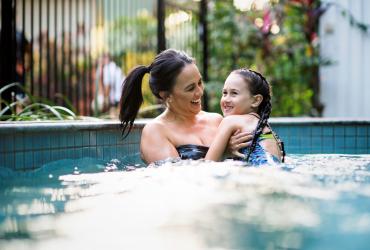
[(258, 85), (163, 72)]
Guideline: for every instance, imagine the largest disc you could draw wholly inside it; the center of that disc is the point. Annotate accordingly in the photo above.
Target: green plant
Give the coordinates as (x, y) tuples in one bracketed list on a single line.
[(32, 109)]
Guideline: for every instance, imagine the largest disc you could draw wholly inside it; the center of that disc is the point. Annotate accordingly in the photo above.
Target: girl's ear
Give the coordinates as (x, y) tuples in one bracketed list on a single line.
[(257, 99)]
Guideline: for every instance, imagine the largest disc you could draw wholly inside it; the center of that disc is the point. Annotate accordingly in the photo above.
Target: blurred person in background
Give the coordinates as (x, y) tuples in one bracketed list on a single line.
[(110, 79)]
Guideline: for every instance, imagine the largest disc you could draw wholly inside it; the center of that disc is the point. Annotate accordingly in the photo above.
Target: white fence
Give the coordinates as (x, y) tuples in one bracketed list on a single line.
[(345, 84)]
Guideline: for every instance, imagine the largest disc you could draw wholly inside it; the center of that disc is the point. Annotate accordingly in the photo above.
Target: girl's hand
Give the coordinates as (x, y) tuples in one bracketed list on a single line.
[(239, 140)]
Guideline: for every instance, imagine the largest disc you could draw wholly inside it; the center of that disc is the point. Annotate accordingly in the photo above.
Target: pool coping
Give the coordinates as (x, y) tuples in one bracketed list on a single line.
[(38, 126)]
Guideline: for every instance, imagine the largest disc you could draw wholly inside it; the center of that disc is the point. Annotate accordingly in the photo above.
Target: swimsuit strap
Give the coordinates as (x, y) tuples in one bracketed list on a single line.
[(255, 115), (268, 135)]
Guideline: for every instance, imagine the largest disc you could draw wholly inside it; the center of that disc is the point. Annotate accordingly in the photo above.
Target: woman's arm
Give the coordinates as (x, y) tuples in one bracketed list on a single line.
[(155, 145), (226, 128), (237, 141)]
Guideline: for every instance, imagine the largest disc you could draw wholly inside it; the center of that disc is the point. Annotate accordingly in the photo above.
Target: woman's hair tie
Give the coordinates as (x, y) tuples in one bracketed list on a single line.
[(148, 69)]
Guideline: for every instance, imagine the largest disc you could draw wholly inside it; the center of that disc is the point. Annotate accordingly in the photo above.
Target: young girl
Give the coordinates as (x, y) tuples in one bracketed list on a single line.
[(246, 105)]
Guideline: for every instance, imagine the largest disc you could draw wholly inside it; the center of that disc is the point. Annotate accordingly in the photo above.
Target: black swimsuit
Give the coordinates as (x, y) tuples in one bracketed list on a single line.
[(192, 151)]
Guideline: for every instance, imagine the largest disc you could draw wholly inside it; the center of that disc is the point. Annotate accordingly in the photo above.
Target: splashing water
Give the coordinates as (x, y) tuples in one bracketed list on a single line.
[(311, 202)]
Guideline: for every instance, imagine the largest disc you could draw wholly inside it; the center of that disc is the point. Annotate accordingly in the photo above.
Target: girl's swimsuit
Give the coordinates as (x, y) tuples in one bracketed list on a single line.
[(192, 151), (260, 156)]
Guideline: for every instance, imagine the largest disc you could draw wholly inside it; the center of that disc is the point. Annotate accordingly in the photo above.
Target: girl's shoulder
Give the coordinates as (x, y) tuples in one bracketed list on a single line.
[(244, 122)]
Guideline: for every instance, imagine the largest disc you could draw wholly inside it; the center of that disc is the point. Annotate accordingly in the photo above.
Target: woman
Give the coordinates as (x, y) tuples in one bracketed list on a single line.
[(183, 129)]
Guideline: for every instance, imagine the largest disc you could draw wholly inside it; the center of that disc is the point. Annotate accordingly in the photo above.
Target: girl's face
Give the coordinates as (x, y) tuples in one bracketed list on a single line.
[(188, 91), (236, 98)]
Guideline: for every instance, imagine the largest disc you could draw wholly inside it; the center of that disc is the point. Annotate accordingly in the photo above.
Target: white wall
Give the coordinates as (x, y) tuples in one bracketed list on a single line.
[(345, 85)]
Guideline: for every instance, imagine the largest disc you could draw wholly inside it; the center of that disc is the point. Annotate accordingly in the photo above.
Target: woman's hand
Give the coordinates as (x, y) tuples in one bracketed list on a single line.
[(239, 140)]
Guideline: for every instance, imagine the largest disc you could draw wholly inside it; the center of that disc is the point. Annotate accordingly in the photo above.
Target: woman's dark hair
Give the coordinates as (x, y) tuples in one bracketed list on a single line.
[(258, 85), (163, 74)]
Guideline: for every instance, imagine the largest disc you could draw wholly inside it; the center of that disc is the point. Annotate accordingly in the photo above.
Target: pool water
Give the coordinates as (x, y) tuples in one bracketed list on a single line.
[(310, 202)]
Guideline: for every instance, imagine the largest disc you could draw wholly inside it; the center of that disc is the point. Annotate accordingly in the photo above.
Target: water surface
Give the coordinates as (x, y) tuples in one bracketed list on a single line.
[(311, 202)]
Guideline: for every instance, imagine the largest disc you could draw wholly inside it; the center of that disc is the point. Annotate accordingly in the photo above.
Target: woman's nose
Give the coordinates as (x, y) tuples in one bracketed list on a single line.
[(200, 91)]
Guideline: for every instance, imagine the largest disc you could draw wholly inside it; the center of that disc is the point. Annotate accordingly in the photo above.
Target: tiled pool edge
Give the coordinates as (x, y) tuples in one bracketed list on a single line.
[(29, 145)]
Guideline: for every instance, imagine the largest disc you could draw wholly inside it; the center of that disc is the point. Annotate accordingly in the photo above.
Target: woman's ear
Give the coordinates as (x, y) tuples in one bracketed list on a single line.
[(164, 95), (257, 99)]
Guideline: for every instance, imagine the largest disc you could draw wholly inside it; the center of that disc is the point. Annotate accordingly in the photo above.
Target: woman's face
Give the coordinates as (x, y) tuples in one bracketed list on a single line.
[(236, 98), (188, 91)]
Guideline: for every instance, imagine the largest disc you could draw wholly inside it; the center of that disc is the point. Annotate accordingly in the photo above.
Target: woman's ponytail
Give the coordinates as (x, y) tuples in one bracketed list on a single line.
[(131, 98)]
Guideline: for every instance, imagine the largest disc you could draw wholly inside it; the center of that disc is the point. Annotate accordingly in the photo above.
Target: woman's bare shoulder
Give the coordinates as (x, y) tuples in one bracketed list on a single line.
[(211, 116), (155, 125)]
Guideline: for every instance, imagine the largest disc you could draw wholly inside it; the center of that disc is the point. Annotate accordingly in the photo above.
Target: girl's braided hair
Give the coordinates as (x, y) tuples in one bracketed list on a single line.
[(258, 85)]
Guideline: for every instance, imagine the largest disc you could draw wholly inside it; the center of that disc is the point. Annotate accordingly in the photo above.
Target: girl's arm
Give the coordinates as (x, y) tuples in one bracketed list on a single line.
[(226, 128), (155, 145)]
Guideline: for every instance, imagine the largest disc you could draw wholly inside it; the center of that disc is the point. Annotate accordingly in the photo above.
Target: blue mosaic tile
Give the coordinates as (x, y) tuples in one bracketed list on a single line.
[(112, 137), (339, 142), (92, 138), (327, 150), (316, 131), (28, 160), (19, 142), (37, 158), (350, 131), (85, 138), (99, 152), (78, 139), (78, 153), (316, 142), (9, 160), (328, 143), (362, 151), (2, 159), (361, 142), (70, 139), (7, 143), (45, 141), (106, 138), (19, 160), (85, 152), (28, 140), (339, 130), (361, 131), (63, 140), (100, 138), (62, 153), (328, 131), (107, 155), (55, 155), (45, 154), (282, 131), (54, 140), (92, 152), (350, 141), (293, 141), (70, 153)]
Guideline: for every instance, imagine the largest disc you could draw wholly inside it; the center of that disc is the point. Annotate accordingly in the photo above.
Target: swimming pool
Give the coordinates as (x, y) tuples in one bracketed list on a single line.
[(81, 187), (29, 145)]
